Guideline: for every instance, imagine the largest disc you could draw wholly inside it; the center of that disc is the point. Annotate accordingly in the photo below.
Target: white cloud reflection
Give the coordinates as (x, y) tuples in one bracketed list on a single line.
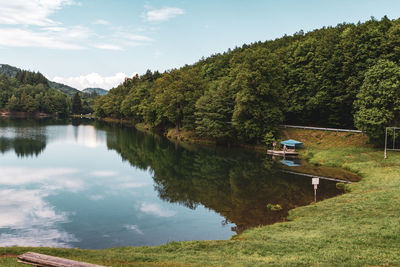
[(31, 220), (26, 218), (134, 227), (86, 135), (49, 178), (157, 210), (96, 197), (104, 173)]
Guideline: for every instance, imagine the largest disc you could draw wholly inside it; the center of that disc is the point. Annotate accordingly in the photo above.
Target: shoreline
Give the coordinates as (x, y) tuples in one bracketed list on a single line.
[(21, 115), (325, 233)]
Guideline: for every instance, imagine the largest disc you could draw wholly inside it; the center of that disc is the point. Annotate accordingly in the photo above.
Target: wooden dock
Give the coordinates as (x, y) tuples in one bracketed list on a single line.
[(282, 153)]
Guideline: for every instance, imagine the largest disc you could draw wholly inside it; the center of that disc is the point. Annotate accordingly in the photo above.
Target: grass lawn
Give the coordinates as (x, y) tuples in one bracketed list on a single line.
[(359, 228)]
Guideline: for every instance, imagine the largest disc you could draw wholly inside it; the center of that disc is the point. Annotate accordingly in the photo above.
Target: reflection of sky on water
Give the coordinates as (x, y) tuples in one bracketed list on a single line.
[(85, 135), (77, 193), (27, 218)]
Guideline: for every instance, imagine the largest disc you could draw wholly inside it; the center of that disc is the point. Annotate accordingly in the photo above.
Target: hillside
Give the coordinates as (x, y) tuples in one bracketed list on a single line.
[(29, 92), (99, 91), (12, 71), (68, 90), (327, 77)]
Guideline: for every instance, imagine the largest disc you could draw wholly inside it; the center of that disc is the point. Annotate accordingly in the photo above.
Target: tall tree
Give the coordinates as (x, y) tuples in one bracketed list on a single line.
[(76, 104), (378, 102), (260, 97), (214, 112)]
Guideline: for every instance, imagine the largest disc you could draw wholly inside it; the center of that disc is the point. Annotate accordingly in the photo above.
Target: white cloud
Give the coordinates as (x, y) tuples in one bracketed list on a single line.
[(163, 14), (38, 29), (126, 39), (108, 47), (93, 80), (155, 209), (135, 37), (101, 22), (56, 38), (33, 12)]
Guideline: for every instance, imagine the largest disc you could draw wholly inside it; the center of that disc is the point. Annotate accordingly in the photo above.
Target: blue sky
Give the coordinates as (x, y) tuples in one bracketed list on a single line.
[(96, 43)]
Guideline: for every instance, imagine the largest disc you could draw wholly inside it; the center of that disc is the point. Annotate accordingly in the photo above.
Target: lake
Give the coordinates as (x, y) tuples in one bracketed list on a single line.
[(88, 184)]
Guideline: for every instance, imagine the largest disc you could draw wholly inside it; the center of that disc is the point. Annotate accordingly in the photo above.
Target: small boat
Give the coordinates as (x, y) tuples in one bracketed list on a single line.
[(282, 153)]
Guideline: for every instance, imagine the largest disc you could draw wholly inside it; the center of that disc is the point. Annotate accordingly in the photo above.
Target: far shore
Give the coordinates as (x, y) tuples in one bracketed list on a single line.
[(19, 114)]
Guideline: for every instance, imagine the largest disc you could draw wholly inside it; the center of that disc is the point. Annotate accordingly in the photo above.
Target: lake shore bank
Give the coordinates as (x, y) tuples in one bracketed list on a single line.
[(19, 115), (361, 227)]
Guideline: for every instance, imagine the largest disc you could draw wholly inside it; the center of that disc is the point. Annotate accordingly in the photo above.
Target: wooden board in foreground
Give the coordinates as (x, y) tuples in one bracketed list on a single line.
[(50, 261)]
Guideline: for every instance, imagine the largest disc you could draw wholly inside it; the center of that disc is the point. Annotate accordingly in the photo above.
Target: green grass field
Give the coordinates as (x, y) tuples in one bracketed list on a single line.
[(360, 228)]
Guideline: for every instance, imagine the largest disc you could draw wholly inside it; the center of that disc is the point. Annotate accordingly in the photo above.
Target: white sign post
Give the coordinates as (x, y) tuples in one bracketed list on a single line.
[(315, 182)]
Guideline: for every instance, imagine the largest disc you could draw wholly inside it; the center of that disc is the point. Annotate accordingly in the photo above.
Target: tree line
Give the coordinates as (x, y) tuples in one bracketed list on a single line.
[(343, 76), (30, 92)]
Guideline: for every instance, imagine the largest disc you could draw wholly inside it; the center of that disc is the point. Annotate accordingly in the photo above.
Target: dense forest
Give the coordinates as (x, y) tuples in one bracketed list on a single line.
[(345, 76), (30, 92)]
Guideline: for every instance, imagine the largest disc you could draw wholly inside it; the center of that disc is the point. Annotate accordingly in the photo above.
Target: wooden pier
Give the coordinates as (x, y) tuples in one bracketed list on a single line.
[(282, 153)]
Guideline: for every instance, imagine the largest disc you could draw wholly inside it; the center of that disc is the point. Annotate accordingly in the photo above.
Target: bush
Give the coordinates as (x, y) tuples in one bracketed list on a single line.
[(273, 207)]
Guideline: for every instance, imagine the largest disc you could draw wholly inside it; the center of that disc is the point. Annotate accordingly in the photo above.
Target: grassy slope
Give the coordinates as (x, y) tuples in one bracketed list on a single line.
[(358, 228)]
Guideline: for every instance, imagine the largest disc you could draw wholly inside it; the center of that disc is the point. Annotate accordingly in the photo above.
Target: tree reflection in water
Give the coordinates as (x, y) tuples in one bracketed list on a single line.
[(235, 183), (20, 136)]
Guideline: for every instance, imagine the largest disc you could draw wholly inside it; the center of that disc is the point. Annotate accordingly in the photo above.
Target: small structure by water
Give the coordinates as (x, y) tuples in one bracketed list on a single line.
[(289, 148), (291, 143)]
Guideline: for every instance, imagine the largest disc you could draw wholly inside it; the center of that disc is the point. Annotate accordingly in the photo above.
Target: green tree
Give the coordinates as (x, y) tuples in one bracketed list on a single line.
[(176, 93), (214, 112), (27, 103), (13, 103), (259, 101), (378, 102), (77, 104)]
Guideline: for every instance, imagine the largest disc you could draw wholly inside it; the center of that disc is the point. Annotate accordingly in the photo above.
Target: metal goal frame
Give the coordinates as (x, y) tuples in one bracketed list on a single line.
[(394, 140)]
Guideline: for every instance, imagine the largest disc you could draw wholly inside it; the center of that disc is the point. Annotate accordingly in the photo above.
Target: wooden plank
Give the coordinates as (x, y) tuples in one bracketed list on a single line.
[(51, 261)]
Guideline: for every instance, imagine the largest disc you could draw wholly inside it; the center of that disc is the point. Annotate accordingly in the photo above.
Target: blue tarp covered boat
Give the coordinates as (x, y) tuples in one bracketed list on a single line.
[(292, 143)]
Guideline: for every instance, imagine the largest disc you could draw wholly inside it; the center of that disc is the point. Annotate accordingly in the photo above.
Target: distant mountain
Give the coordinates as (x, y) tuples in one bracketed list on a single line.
[(99, 91), (68, 90), (10, 71)]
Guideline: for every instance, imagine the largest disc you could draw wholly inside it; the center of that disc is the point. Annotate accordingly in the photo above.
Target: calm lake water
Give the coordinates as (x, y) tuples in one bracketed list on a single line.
[(94, 185)]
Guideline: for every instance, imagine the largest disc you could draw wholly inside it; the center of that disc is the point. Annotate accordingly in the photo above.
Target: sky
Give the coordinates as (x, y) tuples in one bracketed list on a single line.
[(97, 43)]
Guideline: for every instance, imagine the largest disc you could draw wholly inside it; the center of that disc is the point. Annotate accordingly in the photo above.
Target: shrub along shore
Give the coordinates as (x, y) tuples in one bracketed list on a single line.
[(361, 227)]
